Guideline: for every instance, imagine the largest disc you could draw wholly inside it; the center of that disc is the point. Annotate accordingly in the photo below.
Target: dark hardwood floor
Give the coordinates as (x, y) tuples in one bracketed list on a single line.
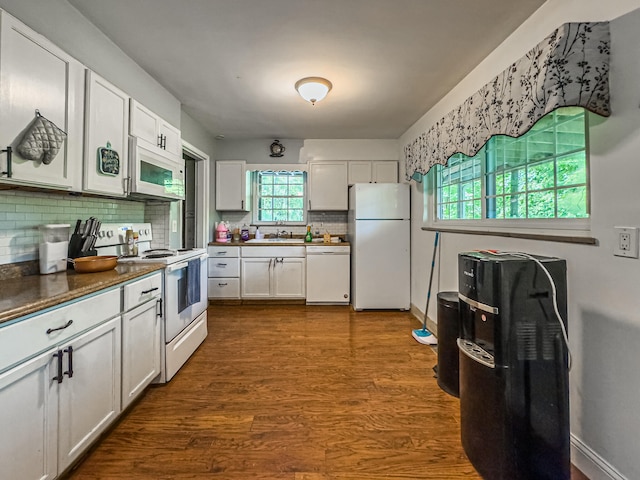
[(293, 393)]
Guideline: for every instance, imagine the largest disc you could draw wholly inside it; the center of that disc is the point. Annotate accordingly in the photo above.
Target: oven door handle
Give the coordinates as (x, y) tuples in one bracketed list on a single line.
[(178, 266)]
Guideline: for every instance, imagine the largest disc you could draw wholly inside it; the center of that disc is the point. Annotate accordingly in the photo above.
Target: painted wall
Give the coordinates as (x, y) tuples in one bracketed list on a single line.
[(604, 305)]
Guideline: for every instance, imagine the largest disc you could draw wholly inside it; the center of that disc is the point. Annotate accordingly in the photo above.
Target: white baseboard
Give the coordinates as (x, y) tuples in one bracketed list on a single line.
[(591, 464)]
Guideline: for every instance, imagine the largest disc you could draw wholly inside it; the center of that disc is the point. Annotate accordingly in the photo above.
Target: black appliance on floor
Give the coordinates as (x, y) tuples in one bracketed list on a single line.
[(514, 394), (448, 333)]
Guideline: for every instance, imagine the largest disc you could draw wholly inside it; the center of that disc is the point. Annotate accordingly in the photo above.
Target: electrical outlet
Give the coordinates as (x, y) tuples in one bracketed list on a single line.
[(174, 226), (626, 244)]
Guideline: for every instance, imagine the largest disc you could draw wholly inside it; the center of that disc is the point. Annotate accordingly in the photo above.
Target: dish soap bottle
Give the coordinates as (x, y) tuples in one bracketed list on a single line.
[(308, 237), (244, 233)]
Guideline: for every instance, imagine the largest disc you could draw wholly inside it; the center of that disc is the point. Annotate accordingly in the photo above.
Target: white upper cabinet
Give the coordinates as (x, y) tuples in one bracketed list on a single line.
[(384, 172), (328, 187), (106, 151), (37, 75), (155, 131), (364, 171), (232, 186)]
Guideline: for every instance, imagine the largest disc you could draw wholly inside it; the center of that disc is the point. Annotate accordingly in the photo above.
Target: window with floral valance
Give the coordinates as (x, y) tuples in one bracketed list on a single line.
[(568, 68)]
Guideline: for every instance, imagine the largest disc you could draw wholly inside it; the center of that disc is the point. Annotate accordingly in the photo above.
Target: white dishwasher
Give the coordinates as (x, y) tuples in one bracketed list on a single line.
[(328, 274)]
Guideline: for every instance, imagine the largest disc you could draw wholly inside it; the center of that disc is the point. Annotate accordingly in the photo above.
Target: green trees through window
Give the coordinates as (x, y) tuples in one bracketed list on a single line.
[(279, 196), (543, 174)]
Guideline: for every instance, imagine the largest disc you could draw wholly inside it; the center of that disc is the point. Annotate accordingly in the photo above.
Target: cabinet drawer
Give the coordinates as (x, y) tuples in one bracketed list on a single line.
[(223, 267), (24, 339), (224, 288), (217, 252), (136, 293)]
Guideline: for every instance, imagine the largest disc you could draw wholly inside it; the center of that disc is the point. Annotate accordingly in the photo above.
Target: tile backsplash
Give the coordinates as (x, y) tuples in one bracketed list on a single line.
[(333, 222), (22, 212)]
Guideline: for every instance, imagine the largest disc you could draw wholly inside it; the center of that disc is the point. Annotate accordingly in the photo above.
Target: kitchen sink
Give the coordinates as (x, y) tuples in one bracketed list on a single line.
[(276, 240)]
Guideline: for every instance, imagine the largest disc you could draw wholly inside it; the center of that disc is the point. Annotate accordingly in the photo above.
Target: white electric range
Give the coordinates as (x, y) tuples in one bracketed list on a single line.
[(184, 290)]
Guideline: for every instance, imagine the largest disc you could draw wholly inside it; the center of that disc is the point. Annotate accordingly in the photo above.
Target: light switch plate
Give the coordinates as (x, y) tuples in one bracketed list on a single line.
[(626, 242)]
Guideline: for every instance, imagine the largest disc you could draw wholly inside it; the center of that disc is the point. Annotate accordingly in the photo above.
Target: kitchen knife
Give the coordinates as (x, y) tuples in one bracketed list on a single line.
[(77, 229), (87, 227), (94, 236)]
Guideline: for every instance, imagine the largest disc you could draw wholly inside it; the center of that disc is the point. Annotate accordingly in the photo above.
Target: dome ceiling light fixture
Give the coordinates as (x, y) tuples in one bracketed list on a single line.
[(313, 89)]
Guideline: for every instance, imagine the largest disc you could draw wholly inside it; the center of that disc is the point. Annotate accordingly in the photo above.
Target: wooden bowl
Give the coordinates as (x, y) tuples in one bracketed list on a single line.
[(95, 264)]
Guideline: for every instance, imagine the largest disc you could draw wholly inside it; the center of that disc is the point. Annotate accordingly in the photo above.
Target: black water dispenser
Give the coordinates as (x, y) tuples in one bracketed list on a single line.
[(514, 393)]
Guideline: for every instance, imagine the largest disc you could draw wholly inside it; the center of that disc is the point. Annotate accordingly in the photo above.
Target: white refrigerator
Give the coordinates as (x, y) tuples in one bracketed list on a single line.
[(379, 233)]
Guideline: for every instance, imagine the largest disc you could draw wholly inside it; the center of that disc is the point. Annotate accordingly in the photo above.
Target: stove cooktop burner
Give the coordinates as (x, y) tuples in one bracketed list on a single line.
[(159, 255)]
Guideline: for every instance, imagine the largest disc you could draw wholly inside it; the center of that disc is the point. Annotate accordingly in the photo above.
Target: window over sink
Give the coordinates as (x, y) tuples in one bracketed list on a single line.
[(279, 197)]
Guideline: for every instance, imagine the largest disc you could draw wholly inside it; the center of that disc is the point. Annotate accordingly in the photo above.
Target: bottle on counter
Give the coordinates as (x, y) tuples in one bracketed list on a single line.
[(129, 241), (136, 237), (244, 233), (308, 237), (221, 233)]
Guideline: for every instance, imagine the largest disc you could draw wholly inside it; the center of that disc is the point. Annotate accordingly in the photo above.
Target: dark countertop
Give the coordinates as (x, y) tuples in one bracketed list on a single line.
[(29, 294)]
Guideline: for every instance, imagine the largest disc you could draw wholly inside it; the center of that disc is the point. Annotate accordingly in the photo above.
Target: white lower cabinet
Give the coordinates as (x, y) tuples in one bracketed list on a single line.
[(53, 406), (223, 267), (141, 329), (89, 395), (289, 278), (282, 275), (256, 277), (65, 375), (29, 416), (140, 350)]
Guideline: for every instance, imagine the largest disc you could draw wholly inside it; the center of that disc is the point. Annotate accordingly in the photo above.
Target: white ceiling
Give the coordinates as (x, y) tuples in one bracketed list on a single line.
[(233, 63)]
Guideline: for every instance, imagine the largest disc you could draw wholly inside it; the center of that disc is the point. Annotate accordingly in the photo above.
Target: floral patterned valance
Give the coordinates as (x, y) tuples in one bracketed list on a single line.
[(569, 68)]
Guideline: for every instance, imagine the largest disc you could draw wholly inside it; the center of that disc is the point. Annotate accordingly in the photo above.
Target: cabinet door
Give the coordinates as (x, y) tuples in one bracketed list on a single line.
[(170, 139), (289, 278), (140, 349), (231, 186), (256, 277), (384, 172), (359, 172), (328, 186), (144, 124), (28, 415), (36, 75), (106, 122), (90, 399)]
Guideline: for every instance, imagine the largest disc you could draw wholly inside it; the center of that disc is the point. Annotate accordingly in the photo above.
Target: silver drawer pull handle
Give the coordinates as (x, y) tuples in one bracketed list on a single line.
[(222, 284), (221, 265), (51, 330)]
